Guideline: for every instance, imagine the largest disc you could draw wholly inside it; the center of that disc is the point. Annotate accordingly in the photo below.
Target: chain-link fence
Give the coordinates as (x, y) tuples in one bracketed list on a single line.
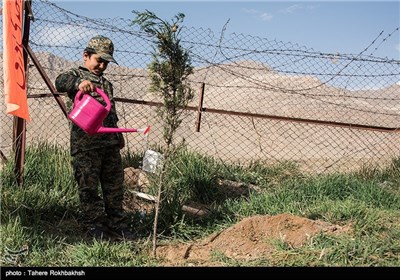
[(263, 99)]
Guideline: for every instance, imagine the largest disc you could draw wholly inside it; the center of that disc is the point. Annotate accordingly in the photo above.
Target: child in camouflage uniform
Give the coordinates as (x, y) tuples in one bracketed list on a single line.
[(97, 159)]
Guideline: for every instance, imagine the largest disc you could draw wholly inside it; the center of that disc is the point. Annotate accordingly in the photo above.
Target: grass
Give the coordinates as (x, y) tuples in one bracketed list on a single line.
[(39, 224)]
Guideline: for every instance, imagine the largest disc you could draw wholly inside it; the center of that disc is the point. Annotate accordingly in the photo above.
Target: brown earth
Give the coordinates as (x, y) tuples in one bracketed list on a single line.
[(251, 239)]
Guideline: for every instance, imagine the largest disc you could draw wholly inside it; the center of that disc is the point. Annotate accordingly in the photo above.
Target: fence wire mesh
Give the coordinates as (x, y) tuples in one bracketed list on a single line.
[(263, 99)]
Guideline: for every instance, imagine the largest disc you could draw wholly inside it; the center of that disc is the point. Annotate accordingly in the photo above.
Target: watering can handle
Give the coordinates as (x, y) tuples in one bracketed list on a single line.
[(79, 95)]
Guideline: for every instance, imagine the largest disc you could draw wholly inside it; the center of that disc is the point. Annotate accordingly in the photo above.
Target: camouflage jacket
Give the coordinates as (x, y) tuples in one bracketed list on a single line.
[(81, 141)]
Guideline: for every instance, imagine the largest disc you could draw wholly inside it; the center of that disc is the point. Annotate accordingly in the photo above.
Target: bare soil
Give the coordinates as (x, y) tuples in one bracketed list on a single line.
[(251, 239)]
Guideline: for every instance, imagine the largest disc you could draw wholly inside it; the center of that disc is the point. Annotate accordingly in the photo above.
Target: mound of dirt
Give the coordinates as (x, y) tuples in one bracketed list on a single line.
[(250, 239)]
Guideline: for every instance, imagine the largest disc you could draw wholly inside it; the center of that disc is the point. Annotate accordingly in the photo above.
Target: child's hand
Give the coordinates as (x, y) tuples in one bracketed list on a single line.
[(86, 86)]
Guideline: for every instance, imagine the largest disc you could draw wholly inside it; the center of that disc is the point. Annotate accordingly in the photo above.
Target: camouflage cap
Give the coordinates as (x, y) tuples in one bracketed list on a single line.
[(103, 46)]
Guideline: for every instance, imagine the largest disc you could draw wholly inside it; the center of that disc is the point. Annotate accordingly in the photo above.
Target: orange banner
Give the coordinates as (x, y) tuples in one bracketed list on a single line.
[(13, 60)]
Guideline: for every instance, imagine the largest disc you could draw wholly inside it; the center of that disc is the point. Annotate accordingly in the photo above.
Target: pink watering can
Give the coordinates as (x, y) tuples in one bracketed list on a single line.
[(89, 114)]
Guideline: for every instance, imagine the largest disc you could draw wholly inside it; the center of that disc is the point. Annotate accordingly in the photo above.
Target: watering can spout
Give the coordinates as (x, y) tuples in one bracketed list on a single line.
[(103, 129), (89, 114)]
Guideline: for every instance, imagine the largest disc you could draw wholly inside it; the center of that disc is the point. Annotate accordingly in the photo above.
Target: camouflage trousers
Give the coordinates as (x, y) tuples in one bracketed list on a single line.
[(100, 175)]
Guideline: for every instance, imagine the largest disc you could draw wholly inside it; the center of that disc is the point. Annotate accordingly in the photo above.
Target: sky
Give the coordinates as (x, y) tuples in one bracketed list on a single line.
[(344, 27)]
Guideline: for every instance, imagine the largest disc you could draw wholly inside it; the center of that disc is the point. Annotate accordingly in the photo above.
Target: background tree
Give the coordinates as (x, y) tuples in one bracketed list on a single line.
[(168, 71)]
